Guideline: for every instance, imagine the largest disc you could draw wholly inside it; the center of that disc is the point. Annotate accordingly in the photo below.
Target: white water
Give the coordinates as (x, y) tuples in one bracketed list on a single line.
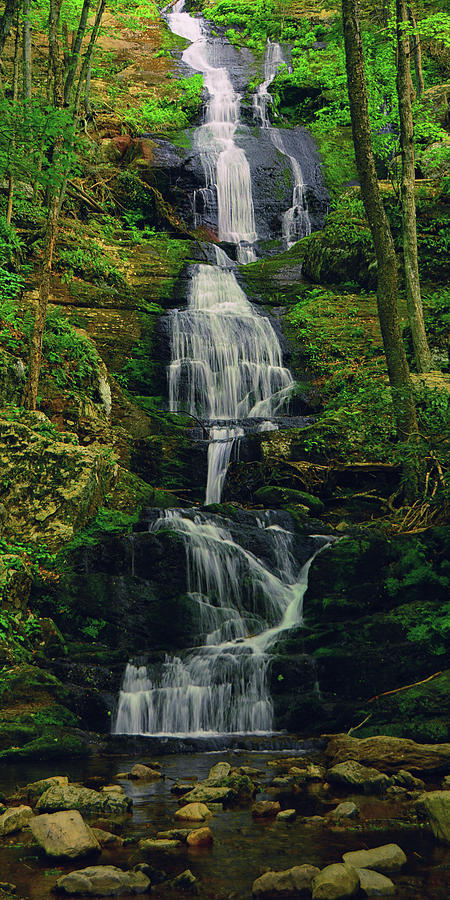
[(226, 366), (243, 604), (296, 221)]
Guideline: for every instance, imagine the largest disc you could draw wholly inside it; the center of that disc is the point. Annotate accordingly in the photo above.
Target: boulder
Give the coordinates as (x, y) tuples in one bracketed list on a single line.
[(159, 845), (405, 780), (347, 810), (372, 884), (286, 815), (186, 881), (387, 858), (35, 790), (72, 796), (436, 806), (201, 837), (293, 882), (220, 771), (360, 778), (144, 772), (446, 783), (202, 793), (106, 838), (174, 834), (14, 819), (103, 881), (64, 834), (193, 812), (388, 753), (265, 809), (335, 881)]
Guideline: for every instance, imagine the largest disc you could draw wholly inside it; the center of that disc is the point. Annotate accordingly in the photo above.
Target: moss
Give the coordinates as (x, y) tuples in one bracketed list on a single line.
[(280, 496), (47, 746)]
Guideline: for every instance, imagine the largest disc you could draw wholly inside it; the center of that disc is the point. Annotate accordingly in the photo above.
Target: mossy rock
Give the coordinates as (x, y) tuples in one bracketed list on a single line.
[(272, 495)]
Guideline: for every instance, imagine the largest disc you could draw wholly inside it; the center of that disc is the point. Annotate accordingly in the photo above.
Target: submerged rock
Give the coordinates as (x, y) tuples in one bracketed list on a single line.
[(387, 858), (264, 809), (360, 778), (15, 819), (144, 772), (186, 881), (64, 834), (286, 815), (335, 881), (103, 881), (201, 837), (372, 884), (161, 845), (35, 790), (203, 793), (293, 882)]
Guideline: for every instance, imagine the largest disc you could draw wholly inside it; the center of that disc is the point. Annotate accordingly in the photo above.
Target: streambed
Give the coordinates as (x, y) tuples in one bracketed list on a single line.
[(243, 847)]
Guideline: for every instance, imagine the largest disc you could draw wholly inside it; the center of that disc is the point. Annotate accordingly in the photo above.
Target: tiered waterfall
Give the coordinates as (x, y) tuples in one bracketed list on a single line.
[(226, 366)]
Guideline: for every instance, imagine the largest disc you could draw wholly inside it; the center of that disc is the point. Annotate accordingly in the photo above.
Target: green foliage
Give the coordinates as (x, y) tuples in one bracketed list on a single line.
[(172, 111), (90, 263), (71, 359)]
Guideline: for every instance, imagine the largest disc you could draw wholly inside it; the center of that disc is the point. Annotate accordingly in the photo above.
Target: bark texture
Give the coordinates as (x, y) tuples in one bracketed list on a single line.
[(11, 7), (403, 404), (417, 51), (409, 231)]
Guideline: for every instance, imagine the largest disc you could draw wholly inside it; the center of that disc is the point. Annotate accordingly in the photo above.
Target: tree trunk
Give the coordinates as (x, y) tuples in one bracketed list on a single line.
[(73, 62), (404, 90), (87, 91), (11, 7), (417, 50), (403, 404), (54, 89), (30, 393), (88, 55), (15, 92), (26, 48)]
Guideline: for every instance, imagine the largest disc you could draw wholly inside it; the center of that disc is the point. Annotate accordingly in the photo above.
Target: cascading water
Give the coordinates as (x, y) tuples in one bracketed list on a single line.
[(226, 366), (296, 221)]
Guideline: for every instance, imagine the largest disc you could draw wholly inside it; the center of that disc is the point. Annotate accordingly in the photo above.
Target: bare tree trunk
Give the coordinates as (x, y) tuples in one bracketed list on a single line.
[(66, 46), (11, 7), (404, 90), (15, 92), (87, 61), (403, 404), (87, 90), (54, 90), (88, 55), (26, 50), (73, 62), (417, 50), (30, 393)]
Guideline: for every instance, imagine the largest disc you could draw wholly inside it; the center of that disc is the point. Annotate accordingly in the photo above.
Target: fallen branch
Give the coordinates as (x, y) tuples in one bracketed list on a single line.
[(360, 724), (405, 688)]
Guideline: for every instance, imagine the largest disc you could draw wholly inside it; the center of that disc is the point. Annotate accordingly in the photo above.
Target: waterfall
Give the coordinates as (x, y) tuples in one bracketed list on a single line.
[(226, 367), (296, 222), (243, 604)]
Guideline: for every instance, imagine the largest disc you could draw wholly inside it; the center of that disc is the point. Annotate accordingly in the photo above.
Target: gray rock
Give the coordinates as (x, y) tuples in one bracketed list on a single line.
[(72, 796), (446, 783), (387, 858), (372, 884), (436, 806), (103, 881), (186, 881), (360, 778), (35, 790), (404, 779), (144, 773), (174, 834), (14, 819), (346, 810), (334, 882), (218, 772), (264, 809), (64, 834), (161, 845), (293, 882), (287, 815)]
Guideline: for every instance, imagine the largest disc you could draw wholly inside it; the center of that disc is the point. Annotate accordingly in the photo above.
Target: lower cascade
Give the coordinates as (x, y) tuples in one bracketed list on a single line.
[(243, 604), (245, 579)]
